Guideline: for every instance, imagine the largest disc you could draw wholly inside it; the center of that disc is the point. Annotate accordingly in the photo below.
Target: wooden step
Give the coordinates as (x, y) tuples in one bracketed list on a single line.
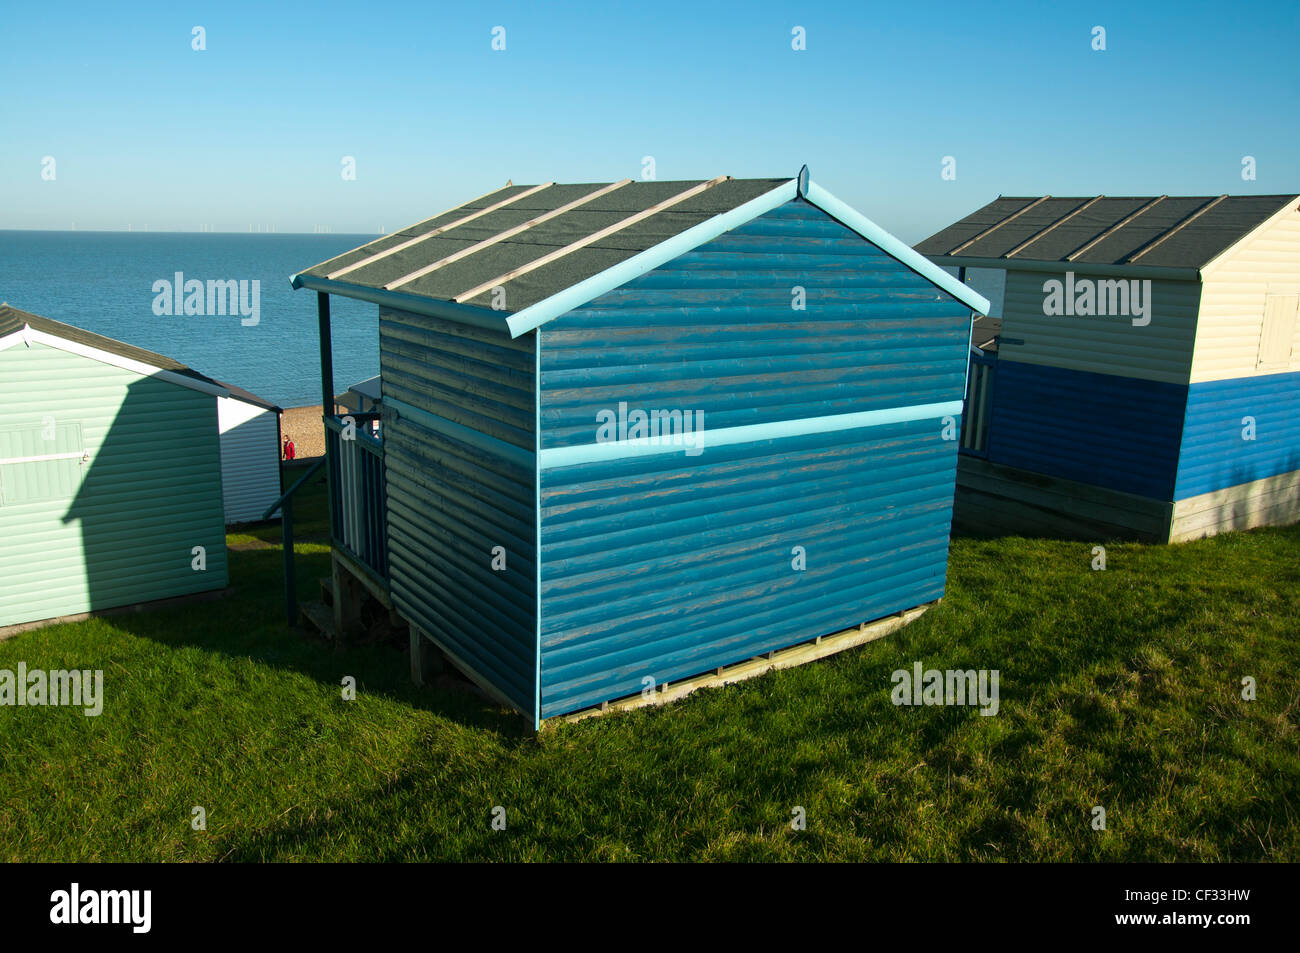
[(326, 590), (320, 617)]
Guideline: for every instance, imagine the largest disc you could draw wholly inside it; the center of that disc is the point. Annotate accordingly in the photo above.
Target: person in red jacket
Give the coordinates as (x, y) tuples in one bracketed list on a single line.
[(288, 448)]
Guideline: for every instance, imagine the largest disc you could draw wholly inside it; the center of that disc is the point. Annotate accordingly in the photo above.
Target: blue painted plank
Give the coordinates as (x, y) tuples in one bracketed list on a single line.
[(1216, 451)]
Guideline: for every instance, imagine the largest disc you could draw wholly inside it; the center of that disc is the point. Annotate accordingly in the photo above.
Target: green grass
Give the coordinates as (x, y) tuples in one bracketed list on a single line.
[(1119, 688)]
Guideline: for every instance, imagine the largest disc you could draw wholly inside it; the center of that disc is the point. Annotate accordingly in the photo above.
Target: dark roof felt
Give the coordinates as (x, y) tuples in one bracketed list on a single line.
[(985, 333), (1161, 231), (452, 280)]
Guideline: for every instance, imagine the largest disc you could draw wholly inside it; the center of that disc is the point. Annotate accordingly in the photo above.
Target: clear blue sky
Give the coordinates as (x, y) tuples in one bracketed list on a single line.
[(145, 130)]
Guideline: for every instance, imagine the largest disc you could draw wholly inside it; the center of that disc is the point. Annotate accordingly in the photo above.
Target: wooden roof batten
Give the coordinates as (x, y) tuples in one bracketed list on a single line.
[(588, 240), (993, 228), (1116, 227), (1186, 221), (508, 233), (1060, 221), (479, 213)]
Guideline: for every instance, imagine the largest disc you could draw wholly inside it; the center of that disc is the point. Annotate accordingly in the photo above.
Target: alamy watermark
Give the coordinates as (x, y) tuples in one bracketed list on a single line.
[(655, 428), (75, 905), (951, 687), (1086, 297), (55, 688), (220, 297)]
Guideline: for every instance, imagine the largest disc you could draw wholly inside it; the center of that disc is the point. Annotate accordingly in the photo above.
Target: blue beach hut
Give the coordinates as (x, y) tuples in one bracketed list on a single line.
[(639, 434)]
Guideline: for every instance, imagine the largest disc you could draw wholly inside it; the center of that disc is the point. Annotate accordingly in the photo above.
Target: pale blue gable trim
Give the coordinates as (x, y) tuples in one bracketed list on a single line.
[(565, 301), (893, 246)]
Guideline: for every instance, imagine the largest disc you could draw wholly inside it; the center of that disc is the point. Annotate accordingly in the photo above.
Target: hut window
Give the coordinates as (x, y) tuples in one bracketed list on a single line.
[(41, 461), (1278, 332)]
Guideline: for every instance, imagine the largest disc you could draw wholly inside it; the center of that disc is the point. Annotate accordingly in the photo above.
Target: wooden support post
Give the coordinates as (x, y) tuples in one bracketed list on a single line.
[(327, 401), (326, 354), (417, 656), (347, 602), (290, 581)]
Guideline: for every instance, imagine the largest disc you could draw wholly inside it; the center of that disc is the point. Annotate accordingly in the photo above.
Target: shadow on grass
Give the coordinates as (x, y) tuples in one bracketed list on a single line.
[(250, 623)]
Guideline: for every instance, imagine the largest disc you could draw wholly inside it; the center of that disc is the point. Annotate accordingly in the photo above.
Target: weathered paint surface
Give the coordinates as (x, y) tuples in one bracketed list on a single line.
[(665, 566), (119, 526), (1121, 433), (1238, 431), (450, 504)]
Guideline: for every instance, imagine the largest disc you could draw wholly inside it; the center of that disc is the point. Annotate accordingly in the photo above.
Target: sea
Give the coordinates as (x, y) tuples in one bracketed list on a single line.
[(104, 282)]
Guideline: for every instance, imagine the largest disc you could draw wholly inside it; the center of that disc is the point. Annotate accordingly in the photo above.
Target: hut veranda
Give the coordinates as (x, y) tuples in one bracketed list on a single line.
[(637, 434)]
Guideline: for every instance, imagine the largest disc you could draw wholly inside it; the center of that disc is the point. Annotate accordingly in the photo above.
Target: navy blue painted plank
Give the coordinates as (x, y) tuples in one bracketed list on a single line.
[(1121, 433)]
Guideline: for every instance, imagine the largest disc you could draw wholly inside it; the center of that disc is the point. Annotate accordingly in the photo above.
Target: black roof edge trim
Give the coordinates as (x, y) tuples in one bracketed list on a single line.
[(1078, 268)]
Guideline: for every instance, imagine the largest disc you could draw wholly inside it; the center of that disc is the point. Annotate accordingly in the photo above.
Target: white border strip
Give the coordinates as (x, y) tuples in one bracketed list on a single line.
[(29, 335), (642, 446), (71, 455)]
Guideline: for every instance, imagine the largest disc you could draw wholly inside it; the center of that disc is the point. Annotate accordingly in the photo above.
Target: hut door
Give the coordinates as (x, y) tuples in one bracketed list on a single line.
[(44, 461), (1278, 332)]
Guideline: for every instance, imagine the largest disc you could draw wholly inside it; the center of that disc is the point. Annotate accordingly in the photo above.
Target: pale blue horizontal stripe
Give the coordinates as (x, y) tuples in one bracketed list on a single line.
[(643, 446)]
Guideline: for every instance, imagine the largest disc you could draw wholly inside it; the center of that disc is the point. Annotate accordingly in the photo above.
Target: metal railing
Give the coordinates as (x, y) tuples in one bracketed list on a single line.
[(358, 491), (285, 505), (979, 403)]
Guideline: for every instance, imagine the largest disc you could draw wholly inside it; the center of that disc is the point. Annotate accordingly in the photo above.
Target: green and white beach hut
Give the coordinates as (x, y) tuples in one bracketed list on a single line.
[(110, 474)]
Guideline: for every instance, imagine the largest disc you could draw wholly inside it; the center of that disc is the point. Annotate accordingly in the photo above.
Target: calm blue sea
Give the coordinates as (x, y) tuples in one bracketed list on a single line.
[(103, 282)]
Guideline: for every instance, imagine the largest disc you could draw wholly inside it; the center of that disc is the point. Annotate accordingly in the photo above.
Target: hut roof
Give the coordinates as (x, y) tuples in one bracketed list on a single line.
[(552, 247), (14, 321), (1185, 232)]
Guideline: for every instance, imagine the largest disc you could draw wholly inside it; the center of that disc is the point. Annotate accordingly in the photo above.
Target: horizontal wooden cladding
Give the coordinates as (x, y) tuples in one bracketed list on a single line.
[(477, 378), (149, 492), (996, 500), (1216, 453), (1272, 501), (1115, 432), (449, 506), (1159, 351), (250, 467), (715, 331), (670, 566), (1233, 301)]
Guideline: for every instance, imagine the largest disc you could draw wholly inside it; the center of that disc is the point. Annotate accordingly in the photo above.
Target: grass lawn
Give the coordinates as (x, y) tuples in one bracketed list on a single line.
[(1119, 688)]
